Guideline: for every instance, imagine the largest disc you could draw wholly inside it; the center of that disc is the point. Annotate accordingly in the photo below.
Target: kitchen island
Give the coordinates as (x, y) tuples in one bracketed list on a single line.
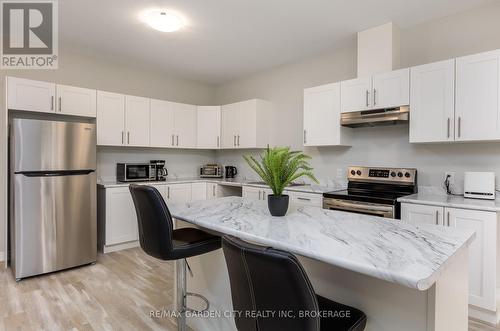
[(401, 276)]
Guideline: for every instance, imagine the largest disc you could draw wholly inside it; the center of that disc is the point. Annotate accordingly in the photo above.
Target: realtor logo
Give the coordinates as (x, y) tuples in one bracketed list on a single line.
[(29, 34)]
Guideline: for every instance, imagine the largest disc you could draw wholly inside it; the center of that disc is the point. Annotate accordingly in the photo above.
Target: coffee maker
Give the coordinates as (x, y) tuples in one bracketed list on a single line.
[(161, 172), (231, 172)]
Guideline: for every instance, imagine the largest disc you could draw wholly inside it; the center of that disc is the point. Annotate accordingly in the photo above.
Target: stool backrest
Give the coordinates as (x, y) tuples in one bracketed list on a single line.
[(154, 221), (264, 280)]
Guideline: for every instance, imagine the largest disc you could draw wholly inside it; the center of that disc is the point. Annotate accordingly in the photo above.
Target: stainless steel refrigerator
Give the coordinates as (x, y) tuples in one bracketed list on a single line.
[(52, 195)]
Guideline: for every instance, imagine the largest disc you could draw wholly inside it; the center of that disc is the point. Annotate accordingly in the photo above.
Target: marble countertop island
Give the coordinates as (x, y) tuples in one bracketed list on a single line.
[(383, 248)]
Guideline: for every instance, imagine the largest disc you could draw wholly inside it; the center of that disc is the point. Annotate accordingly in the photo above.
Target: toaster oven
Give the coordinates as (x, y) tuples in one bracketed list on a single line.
[(211, 171)]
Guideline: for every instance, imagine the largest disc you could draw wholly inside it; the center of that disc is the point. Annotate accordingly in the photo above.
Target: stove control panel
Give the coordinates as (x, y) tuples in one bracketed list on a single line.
[(391, 175)]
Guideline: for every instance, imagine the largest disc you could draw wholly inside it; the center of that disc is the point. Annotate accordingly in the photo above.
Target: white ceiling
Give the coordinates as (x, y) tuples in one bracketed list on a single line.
[(226, 39)]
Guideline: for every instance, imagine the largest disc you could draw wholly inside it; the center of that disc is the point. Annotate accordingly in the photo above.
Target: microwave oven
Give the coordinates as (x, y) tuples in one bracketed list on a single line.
[(211, 171), (135, 172)]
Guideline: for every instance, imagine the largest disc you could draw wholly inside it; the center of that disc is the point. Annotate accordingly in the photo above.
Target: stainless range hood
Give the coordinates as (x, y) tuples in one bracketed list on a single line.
[(376, 117)]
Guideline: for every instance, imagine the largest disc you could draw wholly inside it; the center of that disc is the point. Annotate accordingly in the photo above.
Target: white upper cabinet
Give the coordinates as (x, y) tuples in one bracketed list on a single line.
[(246, 124), (432, 95), (477, 97), (110, 119), (356, 94), (184, 125), (25, 94), (137, 119), (76, 101), (385, 90), (162, 124), (229, 125), (391, 89), (208, 127), (322, 117)]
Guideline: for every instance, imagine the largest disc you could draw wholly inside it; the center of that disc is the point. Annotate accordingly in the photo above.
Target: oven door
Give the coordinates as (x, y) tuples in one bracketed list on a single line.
[(367, 208)]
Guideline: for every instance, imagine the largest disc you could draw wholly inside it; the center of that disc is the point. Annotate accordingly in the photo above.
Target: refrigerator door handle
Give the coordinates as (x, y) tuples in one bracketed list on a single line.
[(55, 173)]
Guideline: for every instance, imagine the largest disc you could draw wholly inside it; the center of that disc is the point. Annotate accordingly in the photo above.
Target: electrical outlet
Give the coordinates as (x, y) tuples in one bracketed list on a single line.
[(340, 173), (452, 177)]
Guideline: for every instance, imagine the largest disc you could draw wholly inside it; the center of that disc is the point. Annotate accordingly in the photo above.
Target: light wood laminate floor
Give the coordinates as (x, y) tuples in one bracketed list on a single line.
[(117, 293)]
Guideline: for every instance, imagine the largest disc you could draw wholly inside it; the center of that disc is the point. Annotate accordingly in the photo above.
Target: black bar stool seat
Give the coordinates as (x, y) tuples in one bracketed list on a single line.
[(265, 279), (159, 239)]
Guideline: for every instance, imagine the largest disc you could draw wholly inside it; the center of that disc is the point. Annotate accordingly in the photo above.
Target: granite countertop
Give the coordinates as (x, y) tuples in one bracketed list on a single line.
[(383, 248), (319, 189), (455, 201)]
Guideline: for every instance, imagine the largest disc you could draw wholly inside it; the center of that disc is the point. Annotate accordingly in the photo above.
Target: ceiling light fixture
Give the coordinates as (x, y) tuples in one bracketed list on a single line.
[(164, 20)]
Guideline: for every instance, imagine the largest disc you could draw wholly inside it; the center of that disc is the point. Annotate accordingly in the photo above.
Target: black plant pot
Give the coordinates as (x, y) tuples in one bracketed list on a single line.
[(278, 205)]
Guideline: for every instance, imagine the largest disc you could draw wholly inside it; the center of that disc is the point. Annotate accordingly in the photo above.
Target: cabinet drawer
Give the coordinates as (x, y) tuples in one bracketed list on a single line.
[(305, 199)]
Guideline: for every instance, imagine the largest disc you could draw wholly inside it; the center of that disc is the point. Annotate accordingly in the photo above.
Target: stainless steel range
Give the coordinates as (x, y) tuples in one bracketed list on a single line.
[(373, 191)]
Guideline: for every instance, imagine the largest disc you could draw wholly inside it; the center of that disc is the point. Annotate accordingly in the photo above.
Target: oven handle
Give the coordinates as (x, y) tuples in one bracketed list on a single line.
[(371, 208)]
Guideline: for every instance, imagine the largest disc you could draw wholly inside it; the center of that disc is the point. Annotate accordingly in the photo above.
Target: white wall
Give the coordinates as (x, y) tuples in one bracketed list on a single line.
[(457, 35), (111, 75)]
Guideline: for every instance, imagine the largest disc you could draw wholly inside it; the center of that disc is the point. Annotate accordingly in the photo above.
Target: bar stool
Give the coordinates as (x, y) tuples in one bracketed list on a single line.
[(266, 280), (160, 240)]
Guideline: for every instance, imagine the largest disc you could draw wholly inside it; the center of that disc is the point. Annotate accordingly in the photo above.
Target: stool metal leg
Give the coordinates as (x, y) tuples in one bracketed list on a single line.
[(181, 293)]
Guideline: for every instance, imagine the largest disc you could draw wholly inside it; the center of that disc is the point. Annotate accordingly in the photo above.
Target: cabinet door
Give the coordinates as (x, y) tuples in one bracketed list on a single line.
[(482, 253), (110, 119), (184, 125), (246, 136), (254, 193), (76, 101), (432, 97), (137, 118), (162, 124), (477, 97), (198, 191), (208, 127), (356, 94), (32, 95), (322, 115), (178, 193), (391, 89), (161, 188), (230, 125), (305, 199), (421, 214), (121, 219), (212, 191)]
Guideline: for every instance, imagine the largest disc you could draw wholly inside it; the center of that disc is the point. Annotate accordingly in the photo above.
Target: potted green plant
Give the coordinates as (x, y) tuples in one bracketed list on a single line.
[(278, 168)]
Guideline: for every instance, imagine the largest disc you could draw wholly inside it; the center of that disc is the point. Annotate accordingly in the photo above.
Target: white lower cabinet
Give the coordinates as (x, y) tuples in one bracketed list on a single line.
[(256, 193), (198, 191), (178, 193), (212, 191), (482, 251), (305, 199)]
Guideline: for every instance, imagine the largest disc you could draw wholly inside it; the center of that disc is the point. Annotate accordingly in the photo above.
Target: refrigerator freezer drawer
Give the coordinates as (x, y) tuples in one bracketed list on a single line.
[(54, 223), (51, 145)]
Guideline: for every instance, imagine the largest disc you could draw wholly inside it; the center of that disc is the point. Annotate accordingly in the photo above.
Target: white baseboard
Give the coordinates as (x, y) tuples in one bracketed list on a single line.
[(119, 247), (490, 317)]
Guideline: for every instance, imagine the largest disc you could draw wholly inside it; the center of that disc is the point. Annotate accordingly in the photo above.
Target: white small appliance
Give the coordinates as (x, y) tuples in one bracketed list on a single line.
[(479, 185)]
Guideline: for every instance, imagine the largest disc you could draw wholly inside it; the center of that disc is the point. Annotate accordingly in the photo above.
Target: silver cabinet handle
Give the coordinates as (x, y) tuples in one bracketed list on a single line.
[(304, 199), (218, 141), (168, 192), (60, 104), (234, 140), (52, 103), (172, 140), (305, 140), (128, 137), (260, 192), (238, 140), (367, 96), (123, 133), (437, 217), (459, 126), (448, 216), (374, 97), (213, 190), (177, 140), (448, 136)]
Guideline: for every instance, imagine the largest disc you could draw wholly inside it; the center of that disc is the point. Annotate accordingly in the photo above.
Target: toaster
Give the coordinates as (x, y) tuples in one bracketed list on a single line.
[(479, 185)]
